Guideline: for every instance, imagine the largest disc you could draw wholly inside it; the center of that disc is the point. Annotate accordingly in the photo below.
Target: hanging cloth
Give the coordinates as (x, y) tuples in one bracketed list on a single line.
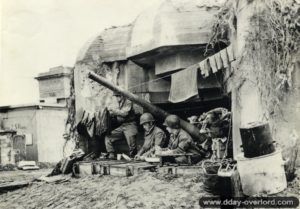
[(224, 58), (86, 125), (230, 52), (184, 84), (205, 68), (218, 61), (102, 122), (213, 64)]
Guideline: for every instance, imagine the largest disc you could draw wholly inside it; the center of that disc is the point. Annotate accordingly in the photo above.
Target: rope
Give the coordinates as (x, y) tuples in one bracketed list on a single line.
[(131, 87)]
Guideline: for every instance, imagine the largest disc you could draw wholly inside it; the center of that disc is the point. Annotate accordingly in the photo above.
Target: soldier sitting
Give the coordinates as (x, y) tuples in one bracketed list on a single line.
[(153, 136), (125, 115), (180, 142)]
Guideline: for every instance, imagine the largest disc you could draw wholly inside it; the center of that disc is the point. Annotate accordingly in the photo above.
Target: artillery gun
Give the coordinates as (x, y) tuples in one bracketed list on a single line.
[(156, 111)]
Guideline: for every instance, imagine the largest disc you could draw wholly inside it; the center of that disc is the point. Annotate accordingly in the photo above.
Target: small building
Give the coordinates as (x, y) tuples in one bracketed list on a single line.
[(37, 132), (54, 85)]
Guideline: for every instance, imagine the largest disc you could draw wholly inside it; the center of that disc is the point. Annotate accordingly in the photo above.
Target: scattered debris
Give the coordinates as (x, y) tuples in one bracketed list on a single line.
[(65, 165), (55, 179), (8, 186), (8, 167), (28, 165)]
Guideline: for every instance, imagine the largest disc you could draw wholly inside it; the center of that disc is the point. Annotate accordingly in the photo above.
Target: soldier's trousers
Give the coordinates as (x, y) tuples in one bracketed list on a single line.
[(184, 160), (129, 130)]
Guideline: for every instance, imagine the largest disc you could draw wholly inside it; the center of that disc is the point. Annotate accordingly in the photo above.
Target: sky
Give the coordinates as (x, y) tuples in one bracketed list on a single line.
[(39, 34)]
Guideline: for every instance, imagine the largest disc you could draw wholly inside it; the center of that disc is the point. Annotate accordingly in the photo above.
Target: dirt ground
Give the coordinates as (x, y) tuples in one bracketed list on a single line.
[(148, 190)]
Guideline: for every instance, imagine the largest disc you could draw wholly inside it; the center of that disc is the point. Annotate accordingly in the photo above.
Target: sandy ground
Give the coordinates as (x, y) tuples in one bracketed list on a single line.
[(148, 190)]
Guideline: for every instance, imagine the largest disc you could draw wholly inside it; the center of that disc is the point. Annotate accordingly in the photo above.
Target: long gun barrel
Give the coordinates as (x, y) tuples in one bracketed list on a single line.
[(156, 111)]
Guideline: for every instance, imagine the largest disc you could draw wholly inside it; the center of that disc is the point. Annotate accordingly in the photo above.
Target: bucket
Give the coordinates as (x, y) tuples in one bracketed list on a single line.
[(257, 139), (262, 175), (210, 177)]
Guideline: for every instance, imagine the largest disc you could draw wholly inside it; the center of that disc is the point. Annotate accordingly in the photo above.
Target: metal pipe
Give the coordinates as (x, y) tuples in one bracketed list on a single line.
[(156, 111)]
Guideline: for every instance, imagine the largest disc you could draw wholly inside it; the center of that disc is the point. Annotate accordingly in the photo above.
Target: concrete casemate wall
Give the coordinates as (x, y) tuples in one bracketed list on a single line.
[(91, 96)]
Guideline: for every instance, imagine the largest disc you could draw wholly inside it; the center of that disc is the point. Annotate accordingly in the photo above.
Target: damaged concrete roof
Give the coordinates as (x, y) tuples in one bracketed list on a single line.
[(109, 45), (171, 23)]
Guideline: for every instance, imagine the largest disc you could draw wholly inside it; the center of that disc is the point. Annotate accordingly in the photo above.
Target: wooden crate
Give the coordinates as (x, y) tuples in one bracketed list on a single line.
[(120, 170), (129, 169), (112, 167), (166, 170), (170, 159), (181, 170), (85, 168), (140, 167), (103, 166)]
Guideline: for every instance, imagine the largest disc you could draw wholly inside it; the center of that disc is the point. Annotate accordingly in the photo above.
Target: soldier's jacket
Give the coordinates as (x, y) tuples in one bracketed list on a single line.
[(182, 143), (154, 137), (123, 111)]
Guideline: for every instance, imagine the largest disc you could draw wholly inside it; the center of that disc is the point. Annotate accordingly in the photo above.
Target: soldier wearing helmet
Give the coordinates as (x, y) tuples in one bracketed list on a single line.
[(180, 141), (123, 111), (153, 136)]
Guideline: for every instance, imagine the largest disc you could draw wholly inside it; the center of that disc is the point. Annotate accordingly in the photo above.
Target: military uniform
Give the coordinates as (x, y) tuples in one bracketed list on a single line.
[(154, 137), (182, 143), (126, 117)]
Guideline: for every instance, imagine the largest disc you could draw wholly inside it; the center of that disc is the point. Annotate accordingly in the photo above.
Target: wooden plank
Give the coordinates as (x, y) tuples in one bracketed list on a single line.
[(7, 186)]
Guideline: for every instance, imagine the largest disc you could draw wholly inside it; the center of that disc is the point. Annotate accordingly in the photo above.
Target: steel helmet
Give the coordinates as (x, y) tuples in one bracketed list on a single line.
[(172, 121), (145, 118)]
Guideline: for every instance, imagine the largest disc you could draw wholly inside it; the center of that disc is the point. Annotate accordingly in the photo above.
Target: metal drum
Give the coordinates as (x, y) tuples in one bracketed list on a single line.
[(257, 139)]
